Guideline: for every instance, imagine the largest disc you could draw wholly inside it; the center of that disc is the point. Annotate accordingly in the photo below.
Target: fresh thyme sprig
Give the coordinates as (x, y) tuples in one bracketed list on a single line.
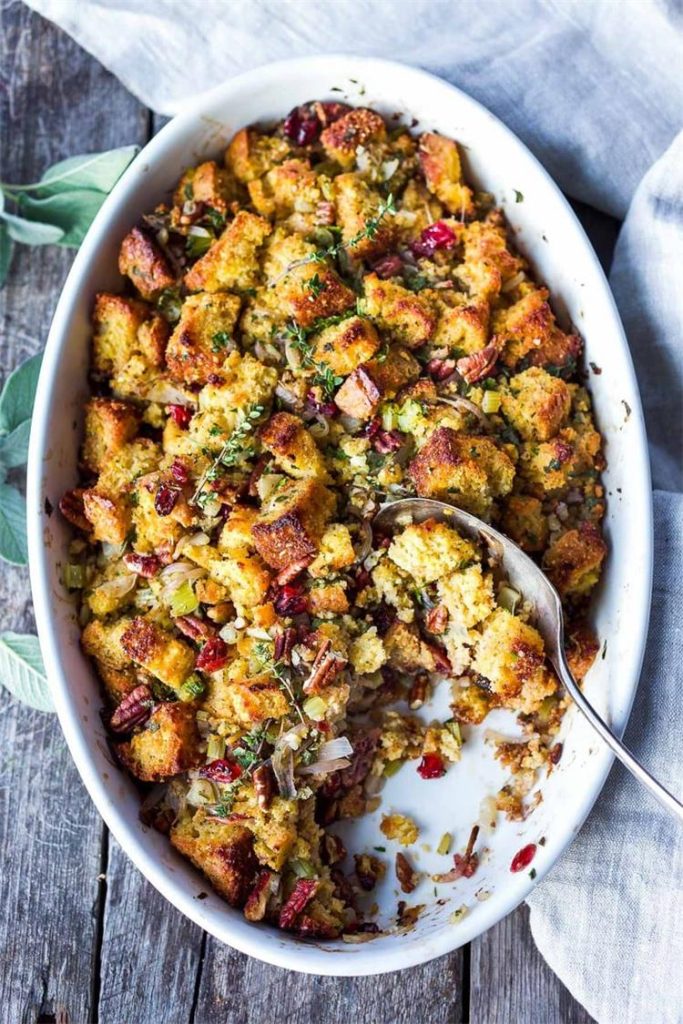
[(231, 452)]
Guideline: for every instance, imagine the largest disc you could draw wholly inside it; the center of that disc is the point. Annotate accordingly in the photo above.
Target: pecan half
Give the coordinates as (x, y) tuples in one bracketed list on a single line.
[(439, 369), (284, 644), (146, 566), (436, 619), (325, 668), (301, 895), (290, 572), (480, 364), (264, 786), (406, 876), (71, 507), (194, 627), (133, 710), (257, 900), (325, 213)]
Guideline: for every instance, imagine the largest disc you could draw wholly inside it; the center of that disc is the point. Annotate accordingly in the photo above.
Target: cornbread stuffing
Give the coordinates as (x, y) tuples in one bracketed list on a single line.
[(327, 318)]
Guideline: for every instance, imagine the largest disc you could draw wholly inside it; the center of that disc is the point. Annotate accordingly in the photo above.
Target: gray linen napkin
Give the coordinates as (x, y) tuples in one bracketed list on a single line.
[(594, 88)]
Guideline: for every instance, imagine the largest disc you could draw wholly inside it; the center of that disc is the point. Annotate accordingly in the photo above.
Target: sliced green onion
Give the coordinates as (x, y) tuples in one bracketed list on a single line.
[(74, 577), (192, 688), (445, 843), (183, 600), (315, 708), (490, 402)]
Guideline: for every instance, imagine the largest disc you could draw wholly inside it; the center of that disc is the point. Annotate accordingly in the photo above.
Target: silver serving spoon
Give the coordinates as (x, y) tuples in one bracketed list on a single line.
[(537, 589)]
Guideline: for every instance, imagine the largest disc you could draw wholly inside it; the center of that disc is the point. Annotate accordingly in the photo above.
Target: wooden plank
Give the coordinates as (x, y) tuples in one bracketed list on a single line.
[(51, 106), (510, 982), (235, 988)]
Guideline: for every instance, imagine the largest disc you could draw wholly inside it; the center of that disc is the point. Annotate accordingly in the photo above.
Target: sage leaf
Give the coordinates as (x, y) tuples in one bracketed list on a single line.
[(30, 232), (18, 394), (22, 671), (5, 251), (14, 446), (13, 544), (72, 211), (98, 171)]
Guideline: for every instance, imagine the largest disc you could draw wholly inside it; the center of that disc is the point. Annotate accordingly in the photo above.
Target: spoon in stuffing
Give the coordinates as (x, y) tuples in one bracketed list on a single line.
[(525, 576)]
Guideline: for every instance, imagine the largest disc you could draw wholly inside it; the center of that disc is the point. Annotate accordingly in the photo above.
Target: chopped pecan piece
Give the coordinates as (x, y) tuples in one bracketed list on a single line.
[(299, 898), (264, 786), (290, 572), (404, 872), (480, 364), (436, 619), (71, 507), (257, 900), (133, 710), (325, 668), (194, 627)]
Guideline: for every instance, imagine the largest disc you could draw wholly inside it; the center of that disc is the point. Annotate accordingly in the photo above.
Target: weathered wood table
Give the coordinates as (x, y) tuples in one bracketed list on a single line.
[(83, 936)]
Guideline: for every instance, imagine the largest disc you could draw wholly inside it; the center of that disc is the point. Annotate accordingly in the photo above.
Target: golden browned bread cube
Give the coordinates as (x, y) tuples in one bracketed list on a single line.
[(108, 516), (328, 598), (164, 656), (511, 656), (467, 471), (369, 385), (336, 551), (357, 206), (290, 527), (292, 186), (346, 345), (574, 560), (109, 424), (406, 650), (357, 128), (293, 446), (208, 184), (440, 164), (223, 851), (550, 468), (406, 316), (303, 289), (166, 746), (232, 260), (581, 647), (523, 521), (102, 641), (152, 339), (250, 154), (115, 330), (431, 549), (528, 329), (244, 699), (143, 261), (118, 682), (202, 336), (155, 534), (488, 263), (471, 704), (537, 404), (462, 329)]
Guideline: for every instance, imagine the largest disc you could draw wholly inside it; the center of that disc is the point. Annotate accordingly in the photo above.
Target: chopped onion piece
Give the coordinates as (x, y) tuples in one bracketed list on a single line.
[(464, 405), (117, 588)]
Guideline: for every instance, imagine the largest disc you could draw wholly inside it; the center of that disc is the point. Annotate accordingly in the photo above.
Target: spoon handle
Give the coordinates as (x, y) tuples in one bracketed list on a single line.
[(636, 769)]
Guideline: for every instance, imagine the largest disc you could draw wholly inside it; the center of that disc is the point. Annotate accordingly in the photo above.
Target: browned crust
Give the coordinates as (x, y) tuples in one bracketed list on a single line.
[(141, 259)]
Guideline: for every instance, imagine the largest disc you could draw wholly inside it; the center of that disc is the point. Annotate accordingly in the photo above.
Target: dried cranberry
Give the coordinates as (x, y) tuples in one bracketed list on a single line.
[(165, 499), (291, 600), (181, 415), (373, 427), (388, 266), (143, 565), (523, 858), (221, 770), (437, 236), (328, 409), (431, 767), (213, 655), (386, 441), (383, 617), (302, 126), (179, 472), (331, 110)]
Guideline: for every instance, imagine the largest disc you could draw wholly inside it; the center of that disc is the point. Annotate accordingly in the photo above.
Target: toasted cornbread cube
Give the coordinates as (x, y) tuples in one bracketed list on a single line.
[(406, 650), (102, 641), (202, 337), (243, 698), (581, 646), (232, 261), (369, 385), (406, 316), (537, 404), (467, 471), (126, 464), (207, 183), (550, 468), (166, 746), (574, 560), (510, 655), (440, 164), (431, 549), (235, 537), (524, 522), (293, 447), (528, 330), (290, 527), (462, 329), (278, 830), (328, 598), (159, 652), (336, 551), (471, 704), (291, 186), (154, 533), (115, 328), (143, 261), (251, 155), (367, 653), (393, 586), (467, 595), (358, 205), (117, 682), (152, 339), (245, 577), (108, 516), (357, 128), (399, 827), (300, 287), (488, 263), (346, 345), (223, 851), (109, 425), (245, 383)]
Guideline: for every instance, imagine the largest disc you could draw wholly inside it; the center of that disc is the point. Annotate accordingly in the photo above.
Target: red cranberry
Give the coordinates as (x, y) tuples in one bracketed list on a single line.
[(386, 441), (291, 600), (373, 427), (324, 408), (146, 566), (165, 499), (523, 858), (388, 266), (436, 236), (330, 110), (179, 472), (221, 770), (302, 126), (181, 415), (213, 655), (431, 767)]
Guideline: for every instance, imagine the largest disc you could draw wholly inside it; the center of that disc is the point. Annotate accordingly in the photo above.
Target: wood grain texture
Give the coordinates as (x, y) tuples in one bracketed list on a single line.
[(87, 949)]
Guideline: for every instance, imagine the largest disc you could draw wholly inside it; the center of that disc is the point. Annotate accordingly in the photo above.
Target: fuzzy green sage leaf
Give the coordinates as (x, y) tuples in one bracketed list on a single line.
[(14, 446), (18, 394), (30, 232), (13, 543), (22, 671), (73, 212)]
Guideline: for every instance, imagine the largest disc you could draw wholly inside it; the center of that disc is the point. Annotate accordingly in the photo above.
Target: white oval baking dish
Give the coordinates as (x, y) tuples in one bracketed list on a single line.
[(550, 235)]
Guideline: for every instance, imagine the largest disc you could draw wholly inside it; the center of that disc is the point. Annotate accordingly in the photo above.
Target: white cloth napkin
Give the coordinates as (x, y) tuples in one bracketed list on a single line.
[(595, 89)]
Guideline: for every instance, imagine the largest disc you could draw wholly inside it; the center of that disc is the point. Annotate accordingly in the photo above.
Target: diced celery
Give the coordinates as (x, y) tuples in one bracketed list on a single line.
[(201, 792), (389, 416), (74, 577), (409, 416), (215, 748), (490, 401), (302, 868), (454, 729), (444, 843), (315, 708), (192, 688), (183, 600)]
